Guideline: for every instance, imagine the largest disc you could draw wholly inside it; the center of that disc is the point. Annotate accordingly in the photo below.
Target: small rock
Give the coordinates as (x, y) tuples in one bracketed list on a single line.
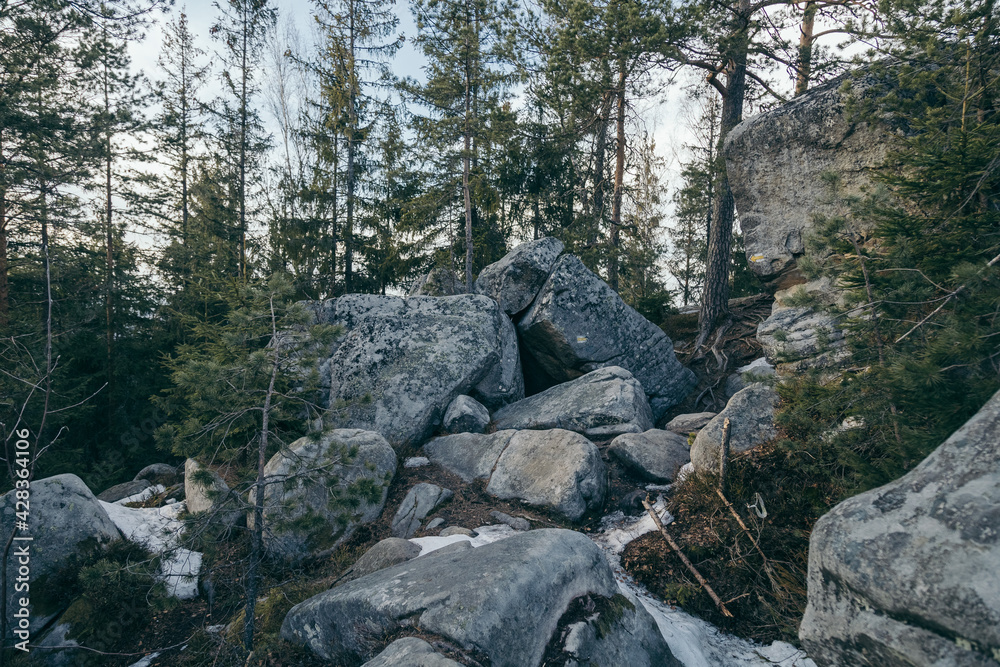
[(466, 415), (654, 455), (758, 367), (434, 523), (689, 423), (458, 530), (517, 523), (410, 652), (160, 473), (390, 551), (631, 502), (123, 490), (418, 503), (416, 462)]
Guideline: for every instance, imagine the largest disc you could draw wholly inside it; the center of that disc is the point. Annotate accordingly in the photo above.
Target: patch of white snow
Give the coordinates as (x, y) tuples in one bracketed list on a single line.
[(145, 494), (147, 661), (159, 530), (486, 535)]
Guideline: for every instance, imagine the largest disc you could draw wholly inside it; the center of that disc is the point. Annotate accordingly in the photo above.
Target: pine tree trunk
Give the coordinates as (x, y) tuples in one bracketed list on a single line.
[(242, 269), (804, 68), (602, 139), (616, 202), (109, 257), (351, 147), (715, 297), (4, 269), (465, 174)]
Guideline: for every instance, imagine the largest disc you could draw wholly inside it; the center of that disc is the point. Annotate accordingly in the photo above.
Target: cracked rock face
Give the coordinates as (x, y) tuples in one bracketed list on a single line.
[(418, 503), (577, 324), (908, 574), (777, 163), (401, 362), (515, 280), (800, 337)]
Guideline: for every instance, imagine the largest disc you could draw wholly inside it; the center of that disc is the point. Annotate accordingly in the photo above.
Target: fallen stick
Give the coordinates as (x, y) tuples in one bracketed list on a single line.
[(684, 559), (767, 564)]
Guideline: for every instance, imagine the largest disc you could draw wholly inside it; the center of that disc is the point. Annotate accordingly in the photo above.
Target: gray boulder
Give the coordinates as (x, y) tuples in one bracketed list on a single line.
[(689, 423), (515, 522), (457, 530), (439, 281), (123, 490), (302, 515), (907, 574), (418, 503), (578, 324), (466, 415), (390, 551), (66, 523), (207, 493), (776, 163), (615, 631), (468, 455), (160, 473), (515, 280), (557, 470), (801, 332), (410, 652), (751, 416), (401, 362), (654, 455), (504, 599), (603, 403)]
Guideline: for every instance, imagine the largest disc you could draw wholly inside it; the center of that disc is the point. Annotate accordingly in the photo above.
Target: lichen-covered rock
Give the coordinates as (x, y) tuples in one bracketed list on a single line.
[(418, 503), (465, 415), (160, 473), (654, 455), (907, 574), (401, 362), (557, 470), (303, 509), (439, 281), (410, 652), (468, 455), (801, 332), (504, 599), (751, 417), (207, 493), (603, 403), (777, 162), (515, 280), (67, 524), (577, 323)]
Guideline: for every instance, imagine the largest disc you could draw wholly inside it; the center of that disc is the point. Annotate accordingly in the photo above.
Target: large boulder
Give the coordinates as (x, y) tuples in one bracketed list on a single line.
[(160, 473), (504, 600), (418, 503), (908, 574), (577, 324), (751, 423), (515, 280), (401, 362), (603, 403), (307, 507), (66, 524), (654, 455), (469, 455), (390, 551), (778, 162), (556, 470)]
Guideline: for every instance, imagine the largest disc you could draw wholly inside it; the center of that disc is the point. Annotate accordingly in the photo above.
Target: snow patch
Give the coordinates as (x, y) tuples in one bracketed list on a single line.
[(145, 494), (147, 661), (486, 535), (158, 529)]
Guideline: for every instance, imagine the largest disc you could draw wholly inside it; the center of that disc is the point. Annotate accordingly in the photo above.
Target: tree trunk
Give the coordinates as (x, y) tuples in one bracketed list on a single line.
[(351, 147), (4, 284), (599, 149), (715, 296), (616, 202), (109, 256), (804, 68), (465, 171), (242, 269)]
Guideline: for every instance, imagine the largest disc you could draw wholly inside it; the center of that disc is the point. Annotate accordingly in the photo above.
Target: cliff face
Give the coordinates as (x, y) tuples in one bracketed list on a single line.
[(777, 161)]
